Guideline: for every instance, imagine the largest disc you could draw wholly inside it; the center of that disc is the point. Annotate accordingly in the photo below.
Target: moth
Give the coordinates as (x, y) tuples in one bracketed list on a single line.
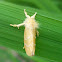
[(30, 32)]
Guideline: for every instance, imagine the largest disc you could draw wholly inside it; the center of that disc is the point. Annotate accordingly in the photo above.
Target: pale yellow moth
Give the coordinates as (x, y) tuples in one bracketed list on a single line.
[(29, 34)]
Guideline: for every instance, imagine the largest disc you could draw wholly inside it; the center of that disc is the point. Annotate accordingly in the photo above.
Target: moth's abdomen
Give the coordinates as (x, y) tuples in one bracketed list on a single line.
[(29, 41)]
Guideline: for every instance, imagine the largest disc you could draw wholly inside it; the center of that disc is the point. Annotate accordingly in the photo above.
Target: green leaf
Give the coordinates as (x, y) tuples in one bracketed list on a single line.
[(46, 5), (49, 42), (50, 6)]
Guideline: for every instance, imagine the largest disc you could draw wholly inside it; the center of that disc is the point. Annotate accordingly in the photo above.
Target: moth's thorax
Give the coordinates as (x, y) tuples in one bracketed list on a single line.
[(30, 23)]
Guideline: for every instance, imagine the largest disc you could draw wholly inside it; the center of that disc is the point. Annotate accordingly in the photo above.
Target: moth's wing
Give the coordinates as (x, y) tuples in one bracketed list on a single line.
[(29, 41)]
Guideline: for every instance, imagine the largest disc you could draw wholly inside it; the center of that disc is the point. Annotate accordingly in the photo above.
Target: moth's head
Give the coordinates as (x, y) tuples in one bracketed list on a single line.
[(30, 17)]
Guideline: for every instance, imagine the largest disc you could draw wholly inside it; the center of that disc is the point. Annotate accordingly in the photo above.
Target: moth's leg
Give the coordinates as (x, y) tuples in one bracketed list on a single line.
[(37, 33), (24, 47), (17, 25), (26, 14)]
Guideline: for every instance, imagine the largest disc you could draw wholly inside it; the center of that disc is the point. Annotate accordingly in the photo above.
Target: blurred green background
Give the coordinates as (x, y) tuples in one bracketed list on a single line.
[(49, 42)]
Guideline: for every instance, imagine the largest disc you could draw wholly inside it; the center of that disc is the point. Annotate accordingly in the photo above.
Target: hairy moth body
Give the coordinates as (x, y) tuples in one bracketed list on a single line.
[(29, 33)]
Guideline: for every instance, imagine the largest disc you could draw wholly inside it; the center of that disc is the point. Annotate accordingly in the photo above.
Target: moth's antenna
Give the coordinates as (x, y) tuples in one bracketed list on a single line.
[(34, 15), (26, 14)]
